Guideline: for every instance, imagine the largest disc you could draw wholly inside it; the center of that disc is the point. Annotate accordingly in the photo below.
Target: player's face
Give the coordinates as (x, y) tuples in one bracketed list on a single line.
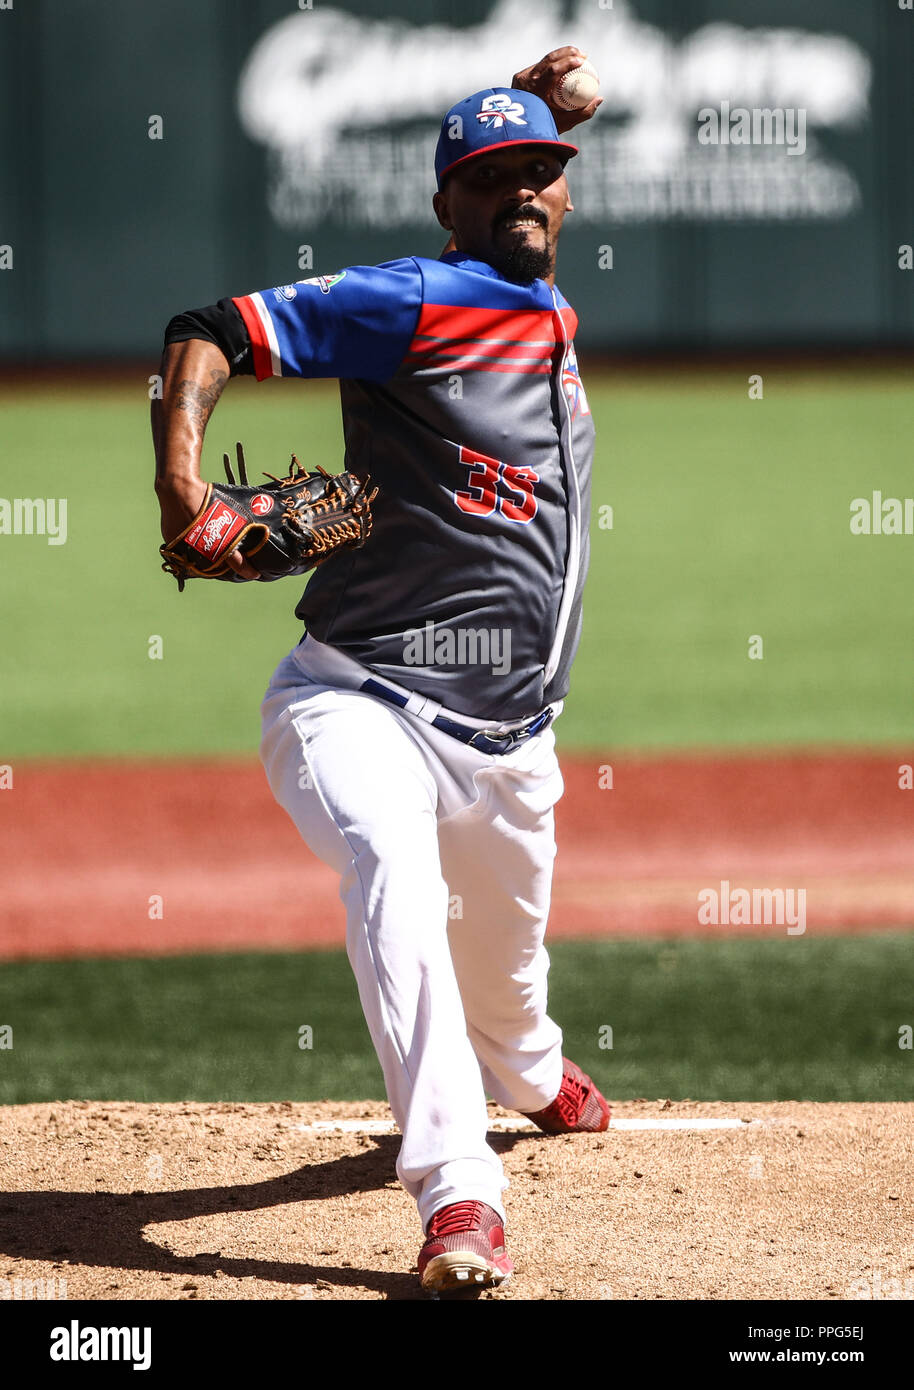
[(507, 208)]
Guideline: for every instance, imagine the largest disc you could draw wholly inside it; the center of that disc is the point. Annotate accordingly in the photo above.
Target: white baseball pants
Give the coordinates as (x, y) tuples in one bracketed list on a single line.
[(445, 859)]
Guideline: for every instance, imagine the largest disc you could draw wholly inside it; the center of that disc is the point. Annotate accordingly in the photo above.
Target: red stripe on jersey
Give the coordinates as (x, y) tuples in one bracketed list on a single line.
[(263, 358), (524, 336), (570, 320), (528, 356), (527, 349), (466, 359), (453, 323)]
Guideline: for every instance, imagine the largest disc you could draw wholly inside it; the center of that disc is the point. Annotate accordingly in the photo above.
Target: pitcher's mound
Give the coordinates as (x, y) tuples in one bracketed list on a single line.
[(111, 1200)]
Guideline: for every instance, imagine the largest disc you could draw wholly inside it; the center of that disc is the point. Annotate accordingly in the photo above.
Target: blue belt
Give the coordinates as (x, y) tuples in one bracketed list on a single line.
[(483, 740)]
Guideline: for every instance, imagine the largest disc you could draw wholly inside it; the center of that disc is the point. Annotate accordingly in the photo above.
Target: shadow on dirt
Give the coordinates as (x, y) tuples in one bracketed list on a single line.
[(111, 1229)]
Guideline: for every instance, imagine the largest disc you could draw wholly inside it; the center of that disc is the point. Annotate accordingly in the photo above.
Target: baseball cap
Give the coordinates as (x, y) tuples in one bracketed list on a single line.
[(491, 118)]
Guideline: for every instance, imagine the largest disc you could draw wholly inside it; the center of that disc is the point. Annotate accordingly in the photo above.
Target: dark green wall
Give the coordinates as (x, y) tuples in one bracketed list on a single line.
[(113, 232)]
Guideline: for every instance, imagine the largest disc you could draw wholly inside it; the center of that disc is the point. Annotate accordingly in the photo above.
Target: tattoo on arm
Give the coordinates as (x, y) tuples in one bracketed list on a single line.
[(200, 401)]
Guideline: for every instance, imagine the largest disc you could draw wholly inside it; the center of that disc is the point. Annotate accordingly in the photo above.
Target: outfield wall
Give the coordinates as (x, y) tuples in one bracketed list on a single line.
[(160, 155)]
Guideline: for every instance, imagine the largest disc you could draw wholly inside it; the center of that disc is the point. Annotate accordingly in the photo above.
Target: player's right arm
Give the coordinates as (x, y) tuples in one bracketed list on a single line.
[(195, 368), (357, 323), (193, 375)]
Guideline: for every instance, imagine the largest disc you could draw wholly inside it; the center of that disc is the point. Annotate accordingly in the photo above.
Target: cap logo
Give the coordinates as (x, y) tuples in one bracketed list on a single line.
[(499, 108)]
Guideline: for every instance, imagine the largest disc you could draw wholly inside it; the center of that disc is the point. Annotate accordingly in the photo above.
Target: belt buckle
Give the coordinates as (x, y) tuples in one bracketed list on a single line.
[(490, 736), (514, 737)]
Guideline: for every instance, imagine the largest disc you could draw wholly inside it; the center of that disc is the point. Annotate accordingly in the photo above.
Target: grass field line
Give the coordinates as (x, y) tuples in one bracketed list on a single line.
[(664, 661), (511, 1125), (722, 1020)]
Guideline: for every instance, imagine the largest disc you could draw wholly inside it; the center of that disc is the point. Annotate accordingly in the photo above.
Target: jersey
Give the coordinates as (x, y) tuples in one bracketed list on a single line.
[(461, 398)]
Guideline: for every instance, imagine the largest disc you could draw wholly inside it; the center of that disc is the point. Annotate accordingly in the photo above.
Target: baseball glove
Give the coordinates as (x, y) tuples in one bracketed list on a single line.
[(285, 526)]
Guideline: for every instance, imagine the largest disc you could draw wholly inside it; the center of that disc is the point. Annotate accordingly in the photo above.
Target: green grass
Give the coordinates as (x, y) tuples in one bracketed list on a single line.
[(730, 519), (729, 1020)]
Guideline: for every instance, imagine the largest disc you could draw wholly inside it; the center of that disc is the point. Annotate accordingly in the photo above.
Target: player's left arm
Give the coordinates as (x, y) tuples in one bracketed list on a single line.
[(541, 77)]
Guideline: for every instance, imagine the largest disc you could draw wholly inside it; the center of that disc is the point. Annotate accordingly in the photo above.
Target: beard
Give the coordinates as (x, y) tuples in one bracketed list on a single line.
[(523, 263)]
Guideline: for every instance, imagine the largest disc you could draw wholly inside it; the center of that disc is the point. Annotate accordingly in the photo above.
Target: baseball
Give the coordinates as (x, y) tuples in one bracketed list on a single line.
[(577, 88)]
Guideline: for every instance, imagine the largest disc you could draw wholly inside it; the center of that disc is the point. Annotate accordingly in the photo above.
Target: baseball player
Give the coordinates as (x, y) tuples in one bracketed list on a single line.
[(409, 733)]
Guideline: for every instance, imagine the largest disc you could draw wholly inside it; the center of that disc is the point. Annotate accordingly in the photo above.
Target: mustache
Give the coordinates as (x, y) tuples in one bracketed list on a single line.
[(523, 211)]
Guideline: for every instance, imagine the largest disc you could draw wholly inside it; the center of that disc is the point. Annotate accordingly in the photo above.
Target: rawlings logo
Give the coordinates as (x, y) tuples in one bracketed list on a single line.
[(213, 531), (261, 504), (218, 526), (499, 108)]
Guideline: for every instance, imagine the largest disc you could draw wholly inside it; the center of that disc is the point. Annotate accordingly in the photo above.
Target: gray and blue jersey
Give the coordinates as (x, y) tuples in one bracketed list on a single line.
[(462, 400)]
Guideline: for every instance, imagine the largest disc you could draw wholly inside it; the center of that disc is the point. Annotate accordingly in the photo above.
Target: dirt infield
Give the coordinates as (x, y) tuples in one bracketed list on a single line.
[(91, 847), (249, 1202)]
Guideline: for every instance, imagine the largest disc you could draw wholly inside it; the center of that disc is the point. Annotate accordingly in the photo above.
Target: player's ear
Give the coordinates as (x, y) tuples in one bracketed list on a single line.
[(569, 205), (439, 203)]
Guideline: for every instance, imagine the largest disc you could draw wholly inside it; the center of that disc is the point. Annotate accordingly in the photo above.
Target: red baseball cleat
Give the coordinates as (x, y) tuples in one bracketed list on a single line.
[(464, 1248), (578, 1107)]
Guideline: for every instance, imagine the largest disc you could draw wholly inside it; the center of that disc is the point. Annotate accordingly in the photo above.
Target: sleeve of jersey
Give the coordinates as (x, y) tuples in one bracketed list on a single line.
[(357, 323)]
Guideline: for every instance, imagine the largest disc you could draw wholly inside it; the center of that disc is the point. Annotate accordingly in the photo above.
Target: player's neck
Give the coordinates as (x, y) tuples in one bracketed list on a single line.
[(451, 246)]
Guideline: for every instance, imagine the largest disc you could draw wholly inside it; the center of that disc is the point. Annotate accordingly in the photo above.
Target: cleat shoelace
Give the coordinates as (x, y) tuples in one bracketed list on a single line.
[(461, 1216)]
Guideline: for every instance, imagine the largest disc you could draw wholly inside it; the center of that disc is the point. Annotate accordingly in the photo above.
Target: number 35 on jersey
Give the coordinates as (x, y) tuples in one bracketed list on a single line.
[(496, 486)]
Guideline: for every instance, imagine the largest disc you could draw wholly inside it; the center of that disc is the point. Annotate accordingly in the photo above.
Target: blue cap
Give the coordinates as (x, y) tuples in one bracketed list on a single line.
[(489, 119)]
